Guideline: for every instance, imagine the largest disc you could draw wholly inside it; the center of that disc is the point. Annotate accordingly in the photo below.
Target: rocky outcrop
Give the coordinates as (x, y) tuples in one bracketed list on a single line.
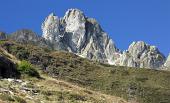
[(83, 36), (51, 28), (3, 36), (7, 68), (74, 23), (167, 63), (24, 36), (141, 55), (79, 34), (28, 36)]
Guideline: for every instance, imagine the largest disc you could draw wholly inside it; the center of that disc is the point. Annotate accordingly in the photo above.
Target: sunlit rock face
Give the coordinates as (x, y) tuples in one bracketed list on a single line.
[(75, 23), (84, 36), (79, 34), (141, 55), (167, 63), (51, 28)]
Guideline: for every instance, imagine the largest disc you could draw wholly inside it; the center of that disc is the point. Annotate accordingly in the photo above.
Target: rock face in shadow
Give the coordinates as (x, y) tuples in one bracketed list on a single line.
[(28, 36), (7, 68), (24, 36)]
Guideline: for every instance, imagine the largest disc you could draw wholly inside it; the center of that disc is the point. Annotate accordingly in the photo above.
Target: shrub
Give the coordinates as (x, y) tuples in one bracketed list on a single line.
[(22, 54), (76, 97), (19, 99), (6, 97), (141, 79), (26, 68), (2, 41)]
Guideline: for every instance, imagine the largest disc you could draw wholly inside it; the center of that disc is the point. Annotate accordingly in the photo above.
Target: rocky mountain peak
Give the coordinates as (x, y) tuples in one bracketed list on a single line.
[(74, 13), (78, 34), (50, 28), (142, 55), (140, 47), (75, 23), (84, 36), (52, 14), (24, 35), (28, 36)]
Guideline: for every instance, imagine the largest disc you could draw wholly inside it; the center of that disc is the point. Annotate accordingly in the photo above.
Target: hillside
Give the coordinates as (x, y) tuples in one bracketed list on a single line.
[(41, 88), (132, 84), (49, 90)]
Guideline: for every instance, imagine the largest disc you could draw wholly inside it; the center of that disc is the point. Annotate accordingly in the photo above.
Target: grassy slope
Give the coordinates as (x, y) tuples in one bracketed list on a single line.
[(50, 90), (142, 85), (47, 90)]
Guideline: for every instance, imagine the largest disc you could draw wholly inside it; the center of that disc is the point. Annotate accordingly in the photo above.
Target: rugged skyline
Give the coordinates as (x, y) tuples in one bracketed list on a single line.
[(125, 21), (84, 51), (83, 36)]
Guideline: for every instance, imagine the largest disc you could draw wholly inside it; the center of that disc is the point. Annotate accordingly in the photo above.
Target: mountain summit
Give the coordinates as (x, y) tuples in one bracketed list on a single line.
[(84, 36), (141, 55), (79, 34)]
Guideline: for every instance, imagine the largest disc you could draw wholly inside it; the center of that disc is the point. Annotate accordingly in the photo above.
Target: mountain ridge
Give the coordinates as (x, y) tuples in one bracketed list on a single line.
[(86, 38), (83, 36), (74, 33)]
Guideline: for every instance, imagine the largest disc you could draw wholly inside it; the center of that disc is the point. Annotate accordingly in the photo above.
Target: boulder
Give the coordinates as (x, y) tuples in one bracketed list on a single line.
[(7, 68)]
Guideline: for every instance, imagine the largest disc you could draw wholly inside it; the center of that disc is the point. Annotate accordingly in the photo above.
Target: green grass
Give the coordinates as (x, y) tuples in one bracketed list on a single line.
[(60, 96), (2, 41), (24, 67), (6, 97), (9, 98), (143, 85), (19, 99)]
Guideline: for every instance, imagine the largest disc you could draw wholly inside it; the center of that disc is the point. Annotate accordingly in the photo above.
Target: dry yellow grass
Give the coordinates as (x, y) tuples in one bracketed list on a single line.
[(59, 85)]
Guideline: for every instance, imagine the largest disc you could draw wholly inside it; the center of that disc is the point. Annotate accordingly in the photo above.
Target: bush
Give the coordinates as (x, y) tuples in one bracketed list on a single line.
[(76, 97), (6, 97), (19, 99), (26, 68)]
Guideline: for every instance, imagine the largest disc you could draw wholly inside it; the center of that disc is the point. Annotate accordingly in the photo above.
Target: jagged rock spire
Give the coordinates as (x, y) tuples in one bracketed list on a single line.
[(51, 28), (79, 34), (142, 55), (84, 36), (75, 23)]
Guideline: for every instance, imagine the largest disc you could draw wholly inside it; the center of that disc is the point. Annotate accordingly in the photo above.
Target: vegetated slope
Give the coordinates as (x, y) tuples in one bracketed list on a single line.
[(49, 90), (132, 84), (40, 88)]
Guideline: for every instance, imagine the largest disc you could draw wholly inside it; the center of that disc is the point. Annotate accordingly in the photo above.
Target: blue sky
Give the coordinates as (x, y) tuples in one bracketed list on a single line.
[(124, 20)]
